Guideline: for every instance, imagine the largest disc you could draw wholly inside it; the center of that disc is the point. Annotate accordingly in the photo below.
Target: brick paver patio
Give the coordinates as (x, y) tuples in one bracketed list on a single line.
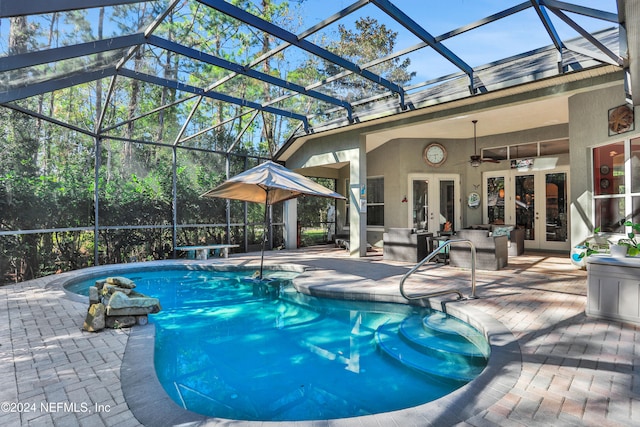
[(554, 365)]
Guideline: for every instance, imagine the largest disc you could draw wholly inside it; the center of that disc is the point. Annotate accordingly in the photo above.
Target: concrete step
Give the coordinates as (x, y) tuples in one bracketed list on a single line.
[(443, 364), (459, 339)]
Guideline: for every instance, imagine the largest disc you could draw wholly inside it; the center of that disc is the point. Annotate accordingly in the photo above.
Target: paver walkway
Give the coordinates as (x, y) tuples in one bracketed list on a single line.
[(573, 370)]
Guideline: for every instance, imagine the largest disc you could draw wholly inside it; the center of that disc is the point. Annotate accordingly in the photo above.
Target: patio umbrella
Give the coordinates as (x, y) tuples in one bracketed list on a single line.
[(269, 183)]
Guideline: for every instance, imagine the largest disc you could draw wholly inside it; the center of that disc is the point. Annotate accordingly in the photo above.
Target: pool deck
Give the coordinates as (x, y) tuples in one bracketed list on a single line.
[(552, 365)]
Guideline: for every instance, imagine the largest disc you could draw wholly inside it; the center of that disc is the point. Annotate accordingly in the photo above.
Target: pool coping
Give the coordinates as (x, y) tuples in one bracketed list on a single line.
[(151, 405)]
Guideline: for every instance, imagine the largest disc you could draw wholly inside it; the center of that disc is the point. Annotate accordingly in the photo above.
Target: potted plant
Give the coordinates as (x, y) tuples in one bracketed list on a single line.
[(629, 246), (589, 246), (631, 243)]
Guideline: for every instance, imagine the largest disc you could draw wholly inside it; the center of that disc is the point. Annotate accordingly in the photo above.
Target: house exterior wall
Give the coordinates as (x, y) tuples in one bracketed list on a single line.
[(397, 158), (588, 115)]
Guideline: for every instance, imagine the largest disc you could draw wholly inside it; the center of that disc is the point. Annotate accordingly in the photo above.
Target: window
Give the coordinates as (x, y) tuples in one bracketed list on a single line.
[(635, 166), (496, 153), (550, 148), (616, 193), (608, 174), (523, 150), (530, 149), (635, 180), (375, 202)]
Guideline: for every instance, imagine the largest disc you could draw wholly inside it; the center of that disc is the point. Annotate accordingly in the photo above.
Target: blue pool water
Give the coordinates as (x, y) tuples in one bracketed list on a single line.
[(229, 347)]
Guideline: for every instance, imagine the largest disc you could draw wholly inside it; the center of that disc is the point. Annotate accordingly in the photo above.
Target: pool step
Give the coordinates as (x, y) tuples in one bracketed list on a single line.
[(440, 332), (430, 352)]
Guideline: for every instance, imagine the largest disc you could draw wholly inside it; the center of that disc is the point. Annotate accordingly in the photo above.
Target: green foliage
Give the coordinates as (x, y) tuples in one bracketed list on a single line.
[(369, 41), (313, 236), (47, 176), (631, 242)]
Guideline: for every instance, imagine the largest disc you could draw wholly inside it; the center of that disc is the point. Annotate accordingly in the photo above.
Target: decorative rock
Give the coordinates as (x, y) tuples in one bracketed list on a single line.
[(117, 322), (95, 320), (109, 289), (122, 305), (94, 297), (114, 304), (122, 282)]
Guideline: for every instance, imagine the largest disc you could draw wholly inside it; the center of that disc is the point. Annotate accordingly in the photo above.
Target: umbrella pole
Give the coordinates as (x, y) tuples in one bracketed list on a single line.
[(264, 234)]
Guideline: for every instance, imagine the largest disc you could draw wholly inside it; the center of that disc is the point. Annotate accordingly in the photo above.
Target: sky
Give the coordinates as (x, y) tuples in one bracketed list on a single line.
[(516, 34), (510, 36)]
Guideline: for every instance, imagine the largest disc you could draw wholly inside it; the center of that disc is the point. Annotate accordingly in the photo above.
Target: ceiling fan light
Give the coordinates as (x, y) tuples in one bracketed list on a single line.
[(475, 159)]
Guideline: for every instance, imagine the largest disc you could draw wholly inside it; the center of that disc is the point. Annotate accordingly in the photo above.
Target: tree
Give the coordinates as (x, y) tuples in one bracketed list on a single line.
[(369, 41), (47, 175)]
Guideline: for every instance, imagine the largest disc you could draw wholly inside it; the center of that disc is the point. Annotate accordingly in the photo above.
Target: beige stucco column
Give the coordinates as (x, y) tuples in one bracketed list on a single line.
[(358, 200), (290, 215)]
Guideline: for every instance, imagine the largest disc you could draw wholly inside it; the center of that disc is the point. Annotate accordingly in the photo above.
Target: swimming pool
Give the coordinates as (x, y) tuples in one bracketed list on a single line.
[(232, 348)]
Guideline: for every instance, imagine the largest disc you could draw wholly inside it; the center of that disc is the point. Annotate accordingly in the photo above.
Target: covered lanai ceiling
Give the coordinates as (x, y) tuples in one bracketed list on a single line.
[(255, 69)]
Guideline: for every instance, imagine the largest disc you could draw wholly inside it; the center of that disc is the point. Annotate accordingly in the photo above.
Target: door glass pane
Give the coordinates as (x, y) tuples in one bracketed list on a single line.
[(525, 197), (447, 213), (420, 204), (556, 207), (495, 200)]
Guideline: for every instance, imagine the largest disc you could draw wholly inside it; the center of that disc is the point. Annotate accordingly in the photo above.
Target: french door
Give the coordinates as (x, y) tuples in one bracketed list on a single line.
[(536, 201), (434, 202)]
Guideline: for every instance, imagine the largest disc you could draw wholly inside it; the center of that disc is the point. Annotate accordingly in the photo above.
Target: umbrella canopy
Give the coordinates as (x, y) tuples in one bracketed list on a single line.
[(269, 183)]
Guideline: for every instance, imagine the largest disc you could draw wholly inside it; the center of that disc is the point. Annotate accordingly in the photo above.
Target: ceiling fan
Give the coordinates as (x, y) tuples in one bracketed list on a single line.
[(476, 159)]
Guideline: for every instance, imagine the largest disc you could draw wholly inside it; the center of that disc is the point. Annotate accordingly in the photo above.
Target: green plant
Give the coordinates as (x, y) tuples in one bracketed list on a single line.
[(589, 248), (631, 242)]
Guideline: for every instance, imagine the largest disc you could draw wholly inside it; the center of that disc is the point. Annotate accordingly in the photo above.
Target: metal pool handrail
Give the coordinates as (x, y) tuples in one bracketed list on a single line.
[(431, 256)]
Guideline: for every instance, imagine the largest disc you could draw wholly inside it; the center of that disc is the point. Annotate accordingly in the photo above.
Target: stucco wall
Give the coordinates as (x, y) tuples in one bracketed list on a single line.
[(588, 115), (400, 157), (328, 149)]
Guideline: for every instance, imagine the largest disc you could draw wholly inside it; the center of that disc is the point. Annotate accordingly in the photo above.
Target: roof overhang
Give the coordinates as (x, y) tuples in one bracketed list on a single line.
[(526, 106)]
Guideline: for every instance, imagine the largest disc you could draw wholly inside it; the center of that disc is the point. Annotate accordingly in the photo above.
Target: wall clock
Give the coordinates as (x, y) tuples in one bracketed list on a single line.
[(434, 154)]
